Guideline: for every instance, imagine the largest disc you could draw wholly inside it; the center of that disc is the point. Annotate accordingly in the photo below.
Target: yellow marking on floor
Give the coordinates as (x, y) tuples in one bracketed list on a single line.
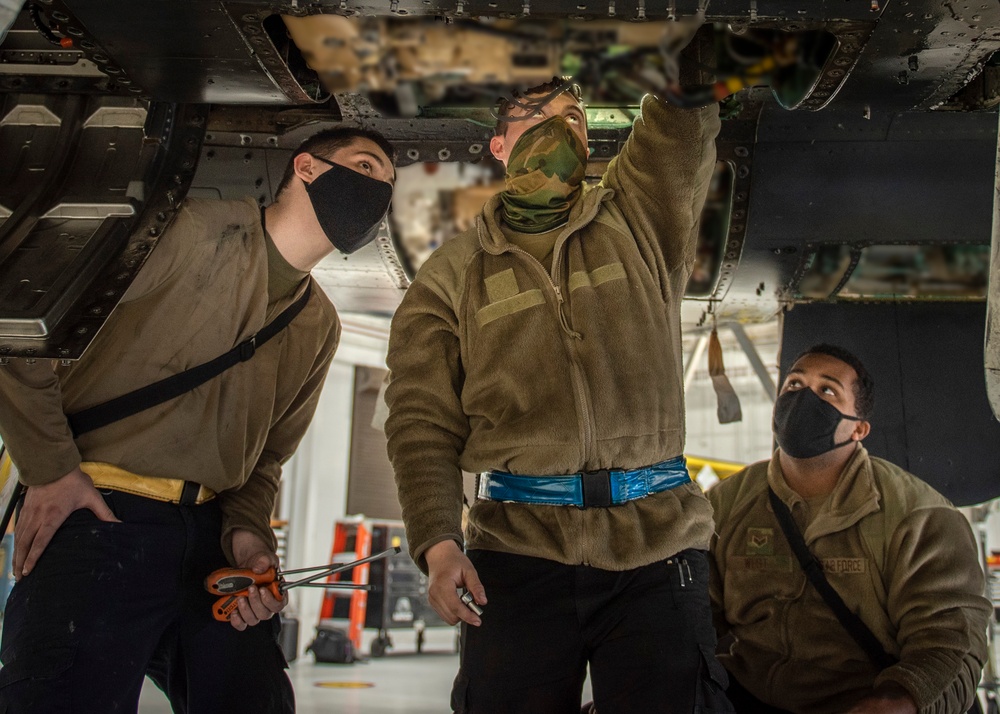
[(345, 685)]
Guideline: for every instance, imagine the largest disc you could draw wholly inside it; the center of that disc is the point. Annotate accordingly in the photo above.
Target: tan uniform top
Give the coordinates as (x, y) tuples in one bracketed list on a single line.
[(894, 549), (499, 362), (283, 279), (201, 292)]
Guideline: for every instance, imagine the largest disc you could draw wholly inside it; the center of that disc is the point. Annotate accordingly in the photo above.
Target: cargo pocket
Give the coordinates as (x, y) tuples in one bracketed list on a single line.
[(712, 683), (460, 694), (28, 681)]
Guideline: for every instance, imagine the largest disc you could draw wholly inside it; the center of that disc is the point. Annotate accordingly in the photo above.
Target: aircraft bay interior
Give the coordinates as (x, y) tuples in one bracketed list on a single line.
[(854, 195)]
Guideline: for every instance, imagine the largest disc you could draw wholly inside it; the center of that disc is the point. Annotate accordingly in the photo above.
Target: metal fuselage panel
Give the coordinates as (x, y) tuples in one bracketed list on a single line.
[(914, 179)]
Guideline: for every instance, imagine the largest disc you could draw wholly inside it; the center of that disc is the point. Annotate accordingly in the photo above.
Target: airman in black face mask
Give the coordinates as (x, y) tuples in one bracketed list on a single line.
[(333, 193), (349, 205), (224, 279), (806, 424), (840, 582)]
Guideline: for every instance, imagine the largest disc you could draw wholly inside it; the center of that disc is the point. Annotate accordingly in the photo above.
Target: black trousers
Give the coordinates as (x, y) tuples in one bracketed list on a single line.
[(647, 635), (109, 603)]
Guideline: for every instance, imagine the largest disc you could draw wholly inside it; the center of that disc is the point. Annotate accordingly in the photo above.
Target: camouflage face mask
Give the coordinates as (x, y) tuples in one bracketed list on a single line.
[(544, 176)]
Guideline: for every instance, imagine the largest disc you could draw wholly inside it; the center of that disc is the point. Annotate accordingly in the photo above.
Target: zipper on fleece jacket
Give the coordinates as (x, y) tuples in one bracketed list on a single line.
[(576, 371), (582, 390), (576, 374), (560, 302)]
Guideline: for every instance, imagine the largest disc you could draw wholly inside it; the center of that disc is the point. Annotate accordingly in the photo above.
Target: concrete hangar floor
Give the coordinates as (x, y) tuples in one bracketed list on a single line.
[(400, 682)]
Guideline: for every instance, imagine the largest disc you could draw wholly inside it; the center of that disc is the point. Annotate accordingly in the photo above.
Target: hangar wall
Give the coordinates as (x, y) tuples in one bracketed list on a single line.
[(746, 441)]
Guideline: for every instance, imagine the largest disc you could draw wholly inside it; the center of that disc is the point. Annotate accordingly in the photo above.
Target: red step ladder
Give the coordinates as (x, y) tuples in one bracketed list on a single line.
[(352, 540)]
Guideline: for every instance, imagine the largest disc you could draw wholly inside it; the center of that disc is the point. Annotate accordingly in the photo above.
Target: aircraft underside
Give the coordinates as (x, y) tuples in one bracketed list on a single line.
[(855, 188)]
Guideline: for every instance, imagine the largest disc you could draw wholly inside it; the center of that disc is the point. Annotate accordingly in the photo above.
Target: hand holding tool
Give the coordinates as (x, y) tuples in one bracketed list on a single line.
[(470, 603), (235, 583)]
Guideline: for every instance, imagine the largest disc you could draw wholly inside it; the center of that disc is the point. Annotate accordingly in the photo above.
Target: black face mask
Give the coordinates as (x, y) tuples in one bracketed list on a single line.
[(805, 425), (349, 206)]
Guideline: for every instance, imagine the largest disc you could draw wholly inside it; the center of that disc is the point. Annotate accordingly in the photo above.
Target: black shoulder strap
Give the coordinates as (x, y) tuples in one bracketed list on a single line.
[(175, 385), (854, 625)]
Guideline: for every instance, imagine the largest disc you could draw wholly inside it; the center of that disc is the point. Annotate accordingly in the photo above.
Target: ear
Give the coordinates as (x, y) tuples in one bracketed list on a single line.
[(305, 167), (861, 430), (498, 146)]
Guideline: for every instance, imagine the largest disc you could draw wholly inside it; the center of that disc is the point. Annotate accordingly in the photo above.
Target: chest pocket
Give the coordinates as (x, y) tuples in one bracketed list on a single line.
[(598, 276), (506, 298)]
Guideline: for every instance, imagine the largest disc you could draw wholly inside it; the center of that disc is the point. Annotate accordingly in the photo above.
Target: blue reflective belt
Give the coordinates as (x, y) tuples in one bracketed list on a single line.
[(580, 489)]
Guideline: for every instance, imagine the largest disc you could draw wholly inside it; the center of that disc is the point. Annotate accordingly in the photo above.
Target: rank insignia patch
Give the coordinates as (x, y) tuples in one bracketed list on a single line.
[(760, 541)]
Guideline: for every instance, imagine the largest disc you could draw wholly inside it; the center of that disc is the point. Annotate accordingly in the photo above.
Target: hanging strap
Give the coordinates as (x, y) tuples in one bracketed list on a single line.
[(175, 385), (854, 625)]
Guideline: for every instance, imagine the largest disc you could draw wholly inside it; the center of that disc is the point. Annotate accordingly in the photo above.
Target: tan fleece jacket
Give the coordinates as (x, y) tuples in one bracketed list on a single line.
[(498, 362), (201, 292), (895, 550)]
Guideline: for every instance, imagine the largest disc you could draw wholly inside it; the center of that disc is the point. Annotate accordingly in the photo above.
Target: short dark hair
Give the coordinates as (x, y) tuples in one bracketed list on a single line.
[(505, 106), (326, 142), (864, 385)]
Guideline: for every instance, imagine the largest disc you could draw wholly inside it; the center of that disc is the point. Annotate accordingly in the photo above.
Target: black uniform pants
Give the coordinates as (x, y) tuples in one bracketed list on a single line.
[(647, 635), (108, 603)]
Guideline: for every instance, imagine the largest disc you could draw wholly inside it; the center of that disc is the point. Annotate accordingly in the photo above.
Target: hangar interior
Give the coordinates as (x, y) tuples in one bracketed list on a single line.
[(324, 482), (855, 200)]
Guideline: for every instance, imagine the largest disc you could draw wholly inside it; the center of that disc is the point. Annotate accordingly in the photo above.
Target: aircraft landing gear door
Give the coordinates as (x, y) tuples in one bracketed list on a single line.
[(992, 349)]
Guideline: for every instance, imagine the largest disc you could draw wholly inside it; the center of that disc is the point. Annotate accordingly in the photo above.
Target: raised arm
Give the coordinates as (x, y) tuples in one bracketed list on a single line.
[(662, 175)]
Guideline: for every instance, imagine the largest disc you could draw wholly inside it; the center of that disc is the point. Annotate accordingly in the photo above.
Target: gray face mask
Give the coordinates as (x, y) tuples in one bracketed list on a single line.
[(349, 206), (805, 426)]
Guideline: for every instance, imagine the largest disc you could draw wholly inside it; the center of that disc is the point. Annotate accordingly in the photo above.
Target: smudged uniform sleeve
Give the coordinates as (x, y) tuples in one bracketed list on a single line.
[(32, 422), (662, 175), (935, 600), (427, 427)]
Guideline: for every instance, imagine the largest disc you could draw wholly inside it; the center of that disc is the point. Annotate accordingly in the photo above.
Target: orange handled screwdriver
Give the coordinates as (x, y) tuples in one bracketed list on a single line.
[(235, 582), (227, 581), (225, 606)]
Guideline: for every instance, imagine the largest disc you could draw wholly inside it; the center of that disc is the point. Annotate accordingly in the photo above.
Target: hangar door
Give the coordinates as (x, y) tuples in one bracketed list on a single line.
[(371, 488)]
